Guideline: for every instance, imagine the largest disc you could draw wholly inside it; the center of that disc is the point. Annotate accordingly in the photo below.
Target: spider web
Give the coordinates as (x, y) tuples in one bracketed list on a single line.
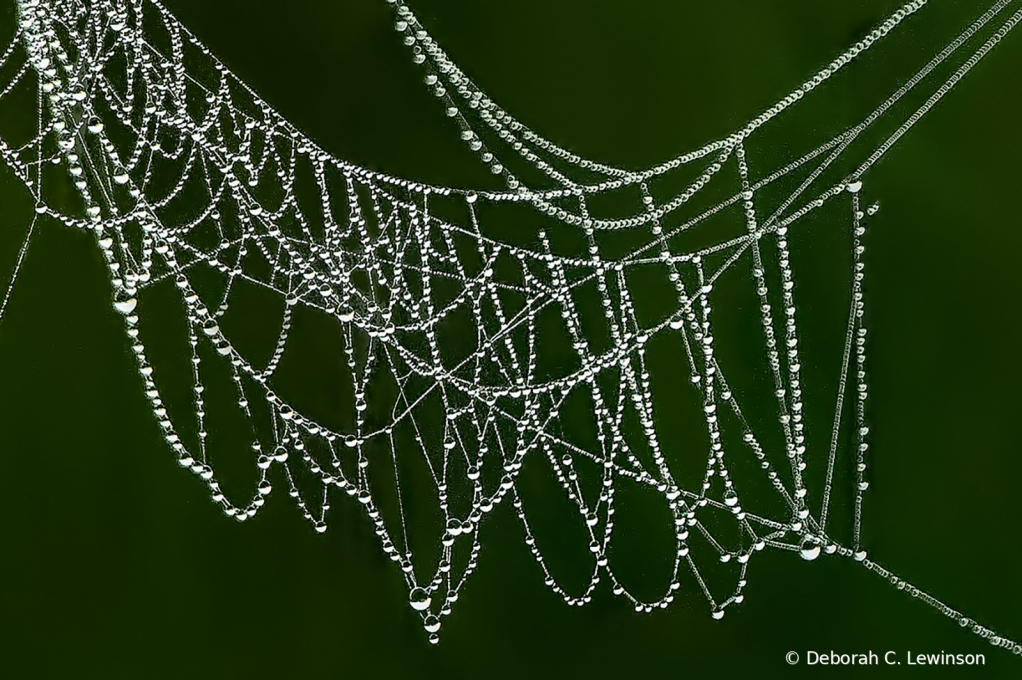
[(463, 356)]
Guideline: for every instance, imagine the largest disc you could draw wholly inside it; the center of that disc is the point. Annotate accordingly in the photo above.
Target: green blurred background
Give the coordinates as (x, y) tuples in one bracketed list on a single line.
[(116, 565)]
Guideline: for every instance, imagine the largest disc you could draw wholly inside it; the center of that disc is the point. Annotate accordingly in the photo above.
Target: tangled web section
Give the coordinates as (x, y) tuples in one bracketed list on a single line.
[(552, 344)]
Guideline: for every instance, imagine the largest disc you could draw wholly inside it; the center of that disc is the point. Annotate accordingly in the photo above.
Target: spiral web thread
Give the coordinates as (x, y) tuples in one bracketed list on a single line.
[(127, 96)]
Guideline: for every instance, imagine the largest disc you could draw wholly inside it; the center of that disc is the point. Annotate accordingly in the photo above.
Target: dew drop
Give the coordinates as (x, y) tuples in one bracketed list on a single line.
[(124, 302), (419, 599), (809, 551)]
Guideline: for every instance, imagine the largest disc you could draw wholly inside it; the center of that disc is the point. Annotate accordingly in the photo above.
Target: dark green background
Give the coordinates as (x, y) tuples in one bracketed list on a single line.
[(115, 564)]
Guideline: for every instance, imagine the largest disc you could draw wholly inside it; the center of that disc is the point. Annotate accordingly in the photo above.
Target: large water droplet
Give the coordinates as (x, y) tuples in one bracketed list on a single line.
[(124, 302), (419, 599), (809, 551)]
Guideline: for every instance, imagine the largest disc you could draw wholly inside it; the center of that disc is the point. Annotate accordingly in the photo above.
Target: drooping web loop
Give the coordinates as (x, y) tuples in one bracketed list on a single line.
[(203, 199)]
